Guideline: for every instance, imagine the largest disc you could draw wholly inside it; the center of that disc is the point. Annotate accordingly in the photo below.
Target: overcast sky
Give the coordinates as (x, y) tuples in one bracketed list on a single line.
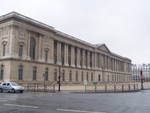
[(123, 25)]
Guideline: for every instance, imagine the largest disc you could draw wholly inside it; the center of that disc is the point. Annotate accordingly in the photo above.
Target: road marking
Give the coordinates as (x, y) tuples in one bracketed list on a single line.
[(7, 99), (78, 111), (3, 100), (21, 106)]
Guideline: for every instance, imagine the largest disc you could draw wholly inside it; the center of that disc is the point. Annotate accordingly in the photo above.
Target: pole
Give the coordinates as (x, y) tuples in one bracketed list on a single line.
[(141, 72), (59, 79), (44, 80)]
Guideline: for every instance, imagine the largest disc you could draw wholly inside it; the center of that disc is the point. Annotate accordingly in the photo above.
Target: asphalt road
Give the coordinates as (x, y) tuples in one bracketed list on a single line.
[(66, 102)]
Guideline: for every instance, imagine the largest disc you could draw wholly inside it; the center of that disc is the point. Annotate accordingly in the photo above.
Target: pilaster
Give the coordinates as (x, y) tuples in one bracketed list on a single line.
[(78, 58), (66, 55), (58, 53), (72, 56), (83, 58), (88, 60)]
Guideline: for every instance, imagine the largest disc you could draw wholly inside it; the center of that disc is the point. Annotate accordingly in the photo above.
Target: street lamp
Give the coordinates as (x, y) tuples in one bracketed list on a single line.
[(44, 76), (142, 78), (59, 77)]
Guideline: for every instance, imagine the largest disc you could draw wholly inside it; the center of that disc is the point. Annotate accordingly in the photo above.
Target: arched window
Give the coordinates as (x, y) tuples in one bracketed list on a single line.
[(32, 48), (63, 75), (46, 74), (20, 72), (55, 75), (70, 75), (108, 78), (99, 77), (34, 73), (2, 72)]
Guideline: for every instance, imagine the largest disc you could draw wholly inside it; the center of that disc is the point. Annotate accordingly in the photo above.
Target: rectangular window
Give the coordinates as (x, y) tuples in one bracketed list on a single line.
[(70, 76), (2, 72), (20, 50), (87, 76), (20, 72), (82, 77), (46, 56), (91, 76), (76, 76), (34, 73), (4, 49)]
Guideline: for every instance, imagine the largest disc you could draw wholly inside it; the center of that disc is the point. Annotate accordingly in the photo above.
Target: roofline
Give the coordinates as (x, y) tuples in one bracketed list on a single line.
[(25, 18)]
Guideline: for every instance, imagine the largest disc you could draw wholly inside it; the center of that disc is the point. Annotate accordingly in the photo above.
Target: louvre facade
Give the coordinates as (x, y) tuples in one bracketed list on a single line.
[(30, 49)]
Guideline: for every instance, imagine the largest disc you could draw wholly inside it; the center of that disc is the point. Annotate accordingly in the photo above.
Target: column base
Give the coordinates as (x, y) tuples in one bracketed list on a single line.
[(89, 67), (59, 63), (83, 67), (72, 65), (78, 66), (66, 64)]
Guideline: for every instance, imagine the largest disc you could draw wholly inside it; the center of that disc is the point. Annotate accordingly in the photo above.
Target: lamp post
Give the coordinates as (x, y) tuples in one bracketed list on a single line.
[(142, 78), (44, 80), (59, 77)]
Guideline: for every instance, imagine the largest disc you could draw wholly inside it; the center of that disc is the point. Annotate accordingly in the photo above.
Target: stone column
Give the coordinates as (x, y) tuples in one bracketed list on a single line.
[(72, 56), (78, 58), (96, 61), (11, 40), (106, 63), (88, 60), (109, 63), (112, 64), (51, 52), (100, 61), (58, 53), (115, 66), (40, 48), (83, 58), (66, 55), (93, 61), (28, 46)]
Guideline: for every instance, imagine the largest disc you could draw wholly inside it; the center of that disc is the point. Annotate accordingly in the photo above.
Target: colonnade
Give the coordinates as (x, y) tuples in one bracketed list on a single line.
[(69, 55)]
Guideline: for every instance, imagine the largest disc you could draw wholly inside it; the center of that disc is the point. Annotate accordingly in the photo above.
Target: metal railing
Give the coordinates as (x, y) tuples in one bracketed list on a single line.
[(38, 87), (127, 87)]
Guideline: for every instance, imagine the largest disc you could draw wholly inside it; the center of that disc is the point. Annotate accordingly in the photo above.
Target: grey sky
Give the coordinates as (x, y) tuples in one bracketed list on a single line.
[(123, 25)]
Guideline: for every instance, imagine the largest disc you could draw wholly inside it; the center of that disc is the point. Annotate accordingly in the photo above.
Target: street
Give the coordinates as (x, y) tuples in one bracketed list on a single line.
[(67, 102)]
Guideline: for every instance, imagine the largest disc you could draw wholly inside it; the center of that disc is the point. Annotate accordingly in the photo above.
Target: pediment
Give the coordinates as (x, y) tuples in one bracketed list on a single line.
[(103, 47)]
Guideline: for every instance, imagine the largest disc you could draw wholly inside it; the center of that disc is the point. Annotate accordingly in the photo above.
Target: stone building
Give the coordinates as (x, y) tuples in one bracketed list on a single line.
[(136, 72), (30, 49)]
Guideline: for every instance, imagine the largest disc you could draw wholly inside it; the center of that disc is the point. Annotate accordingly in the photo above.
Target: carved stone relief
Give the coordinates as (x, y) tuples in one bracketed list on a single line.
[(5, 31), (22, 33)]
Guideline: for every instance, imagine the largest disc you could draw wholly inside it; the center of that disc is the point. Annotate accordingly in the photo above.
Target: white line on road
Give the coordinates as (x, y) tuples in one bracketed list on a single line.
[(7, 99), (21, 105), (78, 111), (3, 100)]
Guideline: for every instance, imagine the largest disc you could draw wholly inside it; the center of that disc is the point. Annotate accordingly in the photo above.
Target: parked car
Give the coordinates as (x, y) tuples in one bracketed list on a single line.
[(11, 87)]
